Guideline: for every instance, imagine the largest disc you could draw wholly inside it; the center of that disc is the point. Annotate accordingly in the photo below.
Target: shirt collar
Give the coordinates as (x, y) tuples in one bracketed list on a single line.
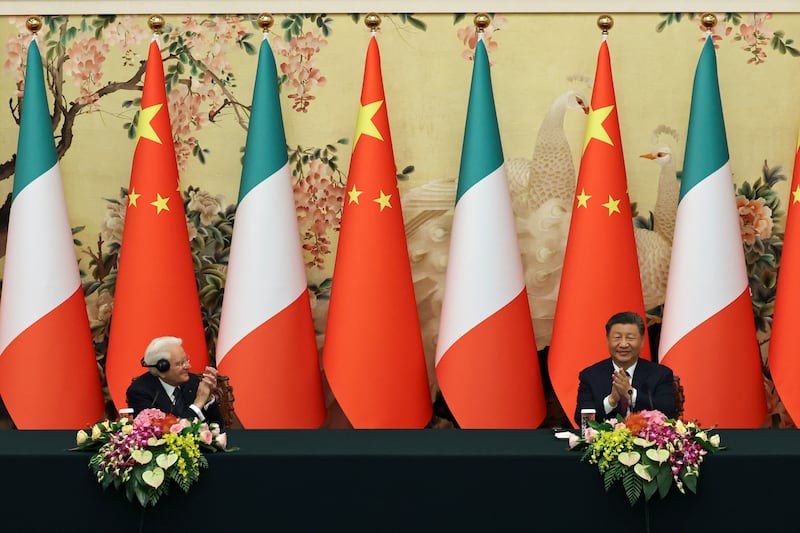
[(630, 368), (170, 389)]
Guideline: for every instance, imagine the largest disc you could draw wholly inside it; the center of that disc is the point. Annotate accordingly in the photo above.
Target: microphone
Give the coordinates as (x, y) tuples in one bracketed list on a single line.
[(155, 398)]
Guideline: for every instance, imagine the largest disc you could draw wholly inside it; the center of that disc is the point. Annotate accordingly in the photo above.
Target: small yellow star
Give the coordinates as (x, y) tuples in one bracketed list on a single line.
[(143, 126), (364, 124), (132, 197), (160, 204), (612, 205), (595, 129), (354, 194), (796, 195), (383, 200), (583, 199)]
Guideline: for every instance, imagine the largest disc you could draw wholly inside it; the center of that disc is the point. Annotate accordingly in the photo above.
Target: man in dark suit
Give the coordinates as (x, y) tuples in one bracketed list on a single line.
[(624, 383), (170, 387)]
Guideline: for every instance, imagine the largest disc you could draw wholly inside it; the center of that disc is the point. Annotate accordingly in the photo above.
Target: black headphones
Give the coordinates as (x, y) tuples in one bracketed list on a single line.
[(162, 365)]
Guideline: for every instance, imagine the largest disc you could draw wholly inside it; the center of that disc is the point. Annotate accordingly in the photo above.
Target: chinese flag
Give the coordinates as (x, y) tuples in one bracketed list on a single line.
[(600, 276), (156, 291), (373, 355), (784, 350)]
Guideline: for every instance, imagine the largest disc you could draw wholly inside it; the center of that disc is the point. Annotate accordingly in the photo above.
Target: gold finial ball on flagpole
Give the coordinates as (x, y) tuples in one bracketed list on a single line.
[(156, 23), (605, 23), (708, 20), (482, 21), (265, 22), (373, 21), (34, 24)]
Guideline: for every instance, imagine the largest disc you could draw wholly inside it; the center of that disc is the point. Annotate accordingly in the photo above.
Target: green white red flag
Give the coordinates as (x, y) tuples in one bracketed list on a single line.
[(266, 344), (48, 369), (708, 335), (486, 359)]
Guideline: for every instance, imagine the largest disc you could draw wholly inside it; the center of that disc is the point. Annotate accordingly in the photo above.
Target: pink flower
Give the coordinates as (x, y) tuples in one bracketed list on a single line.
[(179, 426), (221, 440), (654, 418), (573, 440), (755, 219), (147, 416), (206, 436), (591, 433)]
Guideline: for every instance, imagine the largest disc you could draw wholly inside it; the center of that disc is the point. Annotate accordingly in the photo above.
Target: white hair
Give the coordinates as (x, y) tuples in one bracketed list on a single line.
[(159, 349)]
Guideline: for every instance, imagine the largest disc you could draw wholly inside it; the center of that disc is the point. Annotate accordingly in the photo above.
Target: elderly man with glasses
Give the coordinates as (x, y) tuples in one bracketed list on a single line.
[(169, 386)]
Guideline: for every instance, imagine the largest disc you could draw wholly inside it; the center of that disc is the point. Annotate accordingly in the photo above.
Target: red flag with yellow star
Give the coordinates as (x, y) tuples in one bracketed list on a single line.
[(600, 276), (373, 355), (784, 350), (156, 291)]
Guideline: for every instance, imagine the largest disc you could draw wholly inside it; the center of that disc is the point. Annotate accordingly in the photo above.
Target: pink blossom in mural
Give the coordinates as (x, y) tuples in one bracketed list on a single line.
[(299, 69), (469, 36)]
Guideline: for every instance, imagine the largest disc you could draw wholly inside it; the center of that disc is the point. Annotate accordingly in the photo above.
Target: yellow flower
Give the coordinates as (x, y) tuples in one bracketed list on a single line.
[(81, 437), (96, 432), (127, 429), (680, 427)]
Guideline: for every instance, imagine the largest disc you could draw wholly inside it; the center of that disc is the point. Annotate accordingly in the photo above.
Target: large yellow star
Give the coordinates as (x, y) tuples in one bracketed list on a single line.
[(143, 126), (132, 197), (364, 124), (796, 195), (383, 200), (354, 194), (595, 129), (612, 205), (160, 204), (583, 199)]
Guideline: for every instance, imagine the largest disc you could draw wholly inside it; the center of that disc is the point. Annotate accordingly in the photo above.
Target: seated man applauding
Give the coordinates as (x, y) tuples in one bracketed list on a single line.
[(624, 383), (170, 387)]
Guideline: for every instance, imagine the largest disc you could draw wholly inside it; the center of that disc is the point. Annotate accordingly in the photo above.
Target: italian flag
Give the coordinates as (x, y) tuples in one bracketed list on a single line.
[(708, 335), (266, 344), (48, 371), (486, 360)]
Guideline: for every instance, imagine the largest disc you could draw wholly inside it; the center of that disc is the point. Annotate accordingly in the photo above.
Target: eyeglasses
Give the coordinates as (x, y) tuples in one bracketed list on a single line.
[(183, 364)]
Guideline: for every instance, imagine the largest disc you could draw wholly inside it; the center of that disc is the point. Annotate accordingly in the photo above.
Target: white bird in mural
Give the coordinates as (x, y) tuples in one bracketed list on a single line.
[(550, 173), (654, 247)]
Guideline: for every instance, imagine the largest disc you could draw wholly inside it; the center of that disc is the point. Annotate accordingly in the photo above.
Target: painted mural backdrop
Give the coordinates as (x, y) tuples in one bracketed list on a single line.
[(541, 65)]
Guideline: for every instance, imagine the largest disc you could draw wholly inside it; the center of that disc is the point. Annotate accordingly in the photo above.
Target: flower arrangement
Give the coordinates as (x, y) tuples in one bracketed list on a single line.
[(647, 452), (143, 456)]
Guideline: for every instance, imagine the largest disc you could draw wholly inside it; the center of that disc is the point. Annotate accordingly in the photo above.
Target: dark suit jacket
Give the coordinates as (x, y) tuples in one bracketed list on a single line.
[(146, 392), (653, 383)]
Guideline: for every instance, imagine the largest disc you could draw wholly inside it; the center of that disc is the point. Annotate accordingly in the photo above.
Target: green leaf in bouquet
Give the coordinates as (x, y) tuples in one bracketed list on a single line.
[(690, 481), (650, 489), (633, 485), (664, 480)]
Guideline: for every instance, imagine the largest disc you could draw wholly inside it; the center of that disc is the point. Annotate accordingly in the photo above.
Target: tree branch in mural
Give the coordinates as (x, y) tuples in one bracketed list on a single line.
[(201, 87), (750, 29)]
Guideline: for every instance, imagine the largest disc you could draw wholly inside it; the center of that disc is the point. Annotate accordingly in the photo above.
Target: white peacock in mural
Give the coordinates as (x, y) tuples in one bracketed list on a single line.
[(654, 245)]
